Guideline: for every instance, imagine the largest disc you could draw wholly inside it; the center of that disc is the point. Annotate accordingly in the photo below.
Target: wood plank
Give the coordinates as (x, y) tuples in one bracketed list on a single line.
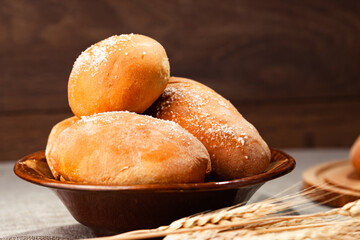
[(24, 134), (246, 50), (305, 124), (290, 67), (282, 125)]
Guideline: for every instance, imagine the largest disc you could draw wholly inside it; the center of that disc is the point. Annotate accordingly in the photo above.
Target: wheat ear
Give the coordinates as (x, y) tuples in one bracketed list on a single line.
[(333, 230), (257, 215)]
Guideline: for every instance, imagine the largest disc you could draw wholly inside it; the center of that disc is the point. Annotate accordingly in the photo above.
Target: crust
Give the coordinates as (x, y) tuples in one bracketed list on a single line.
[(235, 146), (117, 148), (126, 72)]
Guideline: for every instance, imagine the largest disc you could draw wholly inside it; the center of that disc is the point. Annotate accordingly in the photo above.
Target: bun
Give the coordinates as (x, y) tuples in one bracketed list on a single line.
[(116, 148), (355, 154), (235, 146), (55, 132), (126, 72)]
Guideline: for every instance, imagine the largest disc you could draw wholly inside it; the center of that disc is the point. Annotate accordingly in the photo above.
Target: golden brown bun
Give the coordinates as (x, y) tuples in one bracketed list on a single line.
[(116, 148), (355, 154), (126, 72), (236, 148)]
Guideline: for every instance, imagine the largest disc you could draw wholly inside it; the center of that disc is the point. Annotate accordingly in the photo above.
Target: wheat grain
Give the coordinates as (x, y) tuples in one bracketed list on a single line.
[(333, 230), (262, 218)]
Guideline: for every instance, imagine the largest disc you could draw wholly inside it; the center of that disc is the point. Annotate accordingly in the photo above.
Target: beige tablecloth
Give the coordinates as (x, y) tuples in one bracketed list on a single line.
[(28, 211)]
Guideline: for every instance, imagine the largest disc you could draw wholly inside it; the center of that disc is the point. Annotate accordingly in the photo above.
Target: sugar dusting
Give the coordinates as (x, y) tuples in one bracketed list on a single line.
[(134, 140), (174, 130), (94, 56), (201, 121)]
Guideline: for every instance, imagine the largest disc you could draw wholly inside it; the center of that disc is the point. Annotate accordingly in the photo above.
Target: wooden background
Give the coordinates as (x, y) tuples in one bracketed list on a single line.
[(291, 67)]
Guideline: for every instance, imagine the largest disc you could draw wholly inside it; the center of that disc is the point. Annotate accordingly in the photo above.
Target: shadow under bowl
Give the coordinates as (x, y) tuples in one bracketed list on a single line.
[(114, 209)]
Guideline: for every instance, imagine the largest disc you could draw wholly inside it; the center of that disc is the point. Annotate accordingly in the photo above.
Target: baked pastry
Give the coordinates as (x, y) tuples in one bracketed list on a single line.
[(235, 146), (355, 154), (115, 148), (126, 72)]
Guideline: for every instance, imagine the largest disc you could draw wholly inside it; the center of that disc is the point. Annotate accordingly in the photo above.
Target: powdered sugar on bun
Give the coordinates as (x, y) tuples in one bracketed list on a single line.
[(125, 72), (117, 148), (235, 146)]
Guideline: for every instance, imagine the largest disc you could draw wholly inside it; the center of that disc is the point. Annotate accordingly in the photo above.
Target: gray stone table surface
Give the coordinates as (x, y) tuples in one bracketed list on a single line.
[(28, 211)]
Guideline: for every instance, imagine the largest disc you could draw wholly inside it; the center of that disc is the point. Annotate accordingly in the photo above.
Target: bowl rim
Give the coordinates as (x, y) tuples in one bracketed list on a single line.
[(286, 165)]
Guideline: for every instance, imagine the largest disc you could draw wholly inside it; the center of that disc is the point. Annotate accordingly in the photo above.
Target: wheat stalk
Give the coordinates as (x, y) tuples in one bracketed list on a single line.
[(239, 213), (333, 230), (291, 227), (255, 217)]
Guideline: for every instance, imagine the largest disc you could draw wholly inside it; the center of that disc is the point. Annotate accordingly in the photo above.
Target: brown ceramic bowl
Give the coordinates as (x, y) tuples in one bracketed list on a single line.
[(113, 209)]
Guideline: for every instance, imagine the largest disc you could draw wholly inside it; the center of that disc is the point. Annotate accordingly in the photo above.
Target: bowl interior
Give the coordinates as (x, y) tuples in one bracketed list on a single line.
[(34, 168)]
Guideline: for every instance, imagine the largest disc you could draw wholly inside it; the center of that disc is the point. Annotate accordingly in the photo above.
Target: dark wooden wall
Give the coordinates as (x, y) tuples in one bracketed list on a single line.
[(291, 67)]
